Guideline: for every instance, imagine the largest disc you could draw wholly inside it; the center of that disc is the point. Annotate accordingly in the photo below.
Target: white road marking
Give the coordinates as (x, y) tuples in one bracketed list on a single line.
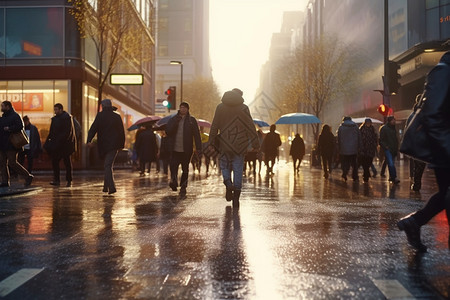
[(392, 289), (17, 279)]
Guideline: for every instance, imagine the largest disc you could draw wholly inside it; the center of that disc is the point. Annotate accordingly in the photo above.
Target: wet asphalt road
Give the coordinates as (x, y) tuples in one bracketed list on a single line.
[(294, 237)]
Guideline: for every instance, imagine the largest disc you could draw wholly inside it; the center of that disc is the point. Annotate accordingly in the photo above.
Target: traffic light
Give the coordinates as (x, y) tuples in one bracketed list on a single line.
[(393, 77), (385, 110), (171, 93)]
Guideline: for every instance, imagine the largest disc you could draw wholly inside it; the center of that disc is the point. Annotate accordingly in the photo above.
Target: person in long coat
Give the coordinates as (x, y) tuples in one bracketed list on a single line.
[(61, 143), (349, 142), (326, 146), (368, 150), (108, 126), (297, 151), (34, 148), (146, 148), (270, 148)]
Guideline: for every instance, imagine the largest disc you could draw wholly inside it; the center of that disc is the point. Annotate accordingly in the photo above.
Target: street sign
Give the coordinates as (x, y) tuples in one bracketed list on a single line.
[(127, 79)]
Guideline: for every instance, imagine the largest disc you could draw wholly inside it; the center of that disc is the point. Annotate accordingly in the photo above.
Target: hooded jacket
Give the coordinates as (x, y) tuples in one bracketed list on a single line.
[(232, 128), (436, 111), (349, 138)]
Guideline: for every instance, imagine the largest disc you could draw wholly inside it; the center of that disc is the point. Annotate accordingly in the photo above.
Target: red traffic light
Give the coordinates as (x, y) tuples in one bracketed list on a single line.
[(385, 110)]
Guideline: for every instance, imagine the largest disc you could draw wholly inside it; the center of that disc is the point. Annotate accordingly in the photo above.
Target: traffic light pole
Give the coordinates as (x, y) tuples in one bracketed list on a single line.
[(386, 94)]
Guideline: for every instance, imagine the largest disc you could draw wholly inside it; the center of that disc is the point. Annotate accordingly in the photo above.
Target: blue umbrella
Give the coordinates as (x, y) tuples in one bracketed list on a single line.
[(260, 123), (298, 118), (164, 120)]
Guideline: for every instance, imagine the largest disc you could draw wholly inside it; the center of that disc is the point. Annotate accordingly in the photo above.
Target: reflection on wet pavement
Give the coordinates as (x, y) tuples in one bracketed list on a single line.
[(295, 236)]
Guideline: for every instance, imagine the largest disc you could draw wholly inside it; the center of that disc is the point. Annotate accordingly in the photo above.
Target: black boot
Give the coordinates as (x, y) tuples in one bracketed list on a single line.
[(412, 230), (229, 191), (236, 196)]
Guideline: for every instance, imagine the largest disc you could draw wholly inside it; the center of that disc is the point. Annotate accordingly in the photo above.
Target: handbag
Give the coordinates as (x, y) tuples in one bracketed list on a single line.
[(415, 141), (19, 139)]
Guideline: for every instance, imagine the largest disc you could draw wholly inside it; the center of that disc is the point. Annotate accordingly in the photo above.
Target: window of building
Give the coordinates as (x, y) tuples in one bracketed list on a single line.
[(188, 25), (432, 17), (34, 32), (445, 21), (163, 23), (2, 34), (163, 50), (187, 48), (431, 3), (163, 4)]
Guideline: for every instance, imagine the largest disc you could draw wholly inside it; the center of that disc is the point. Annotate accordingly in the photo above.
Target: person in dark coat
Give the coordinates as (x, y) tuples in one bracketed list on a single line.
[(368, 150), (389, 144), (416, 167), (61, 143), (349, 142), (10, 122), (34, 148), (108, 126), (270, 148), (182, 130), (436, 118), (297, 151), (146, 148), (164, 153), (326, 146)]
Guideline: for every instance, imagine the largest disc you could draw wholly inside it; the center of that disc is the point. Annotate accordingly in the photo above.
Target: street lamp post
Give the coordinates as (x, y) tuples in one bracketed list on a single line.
[(177, 62)]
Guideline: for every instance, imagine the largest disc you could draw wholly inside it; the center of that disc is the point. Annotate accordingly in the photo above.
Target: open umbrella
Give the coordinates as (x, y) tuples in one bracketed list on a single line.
[(298, 118), (143, 121), (361, 120), (260, 123), (164, 120), (203, 123)]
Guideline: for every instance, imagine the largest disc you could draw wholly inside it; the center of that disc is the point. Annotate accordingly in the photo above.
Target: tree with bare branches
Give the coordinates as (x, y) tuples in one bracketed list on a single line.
[(113, 28), (317, 73)]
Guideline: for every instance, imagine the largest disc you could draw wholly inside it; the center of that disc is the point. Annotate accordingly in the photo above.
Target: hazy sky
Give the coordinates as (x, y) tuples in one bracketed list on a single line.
[(240, 34)]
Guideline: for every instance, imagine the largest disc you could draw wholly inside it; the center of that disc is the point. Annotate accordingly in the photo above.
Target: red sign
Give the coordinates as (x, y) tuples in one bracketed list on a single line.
[(26, 101)]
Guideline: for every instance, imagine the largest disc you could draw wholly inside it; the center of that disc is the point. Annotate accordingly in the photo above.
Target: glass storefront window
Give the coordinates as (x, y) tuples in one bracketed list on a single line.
[(432, 16), (34, 32), (431, 3), (2, 33), (445, 21)]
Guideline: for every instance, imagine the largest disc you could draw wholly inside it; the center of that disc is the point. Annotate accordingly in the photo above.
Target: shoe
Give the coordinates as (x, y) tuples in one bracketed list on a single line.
[(4, 184), (409, 225), (415, 187), (182, 192), (105, 189), (366, 179), (374, 174), (112, 191), (356, 179), (229, 194), (344, 177), (236, 196), (69, 184), (55, 183), (383, 176), (325, 175), (394, 180), (173, 186), (29, 180)]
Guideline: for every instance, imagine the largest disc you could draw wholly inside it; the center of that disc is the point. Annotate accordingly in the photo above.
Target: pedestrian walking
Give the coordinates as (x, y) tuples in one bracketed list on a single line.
[(368, 150), (182, 130), (349, 143), (34, 148), (436, 116), (164, 153), (10, 122), (270, 148), (389, 145), (297, 151), (108, 126), (61, 143), (416, 167), (325, 147), (233, 130), (146, 149)]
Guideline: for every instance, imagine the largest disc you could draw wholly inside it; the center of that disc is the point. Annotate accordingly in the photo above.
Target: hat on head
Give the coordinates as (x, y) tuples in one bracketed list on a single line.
[(106, 103), (368, 120), (185, 104), (347, 118)]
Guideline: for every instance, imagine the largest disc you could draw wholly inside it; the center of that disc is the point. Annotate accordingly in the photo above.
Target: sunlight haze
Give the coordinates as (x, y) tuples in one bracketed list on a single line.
[(240, 35)]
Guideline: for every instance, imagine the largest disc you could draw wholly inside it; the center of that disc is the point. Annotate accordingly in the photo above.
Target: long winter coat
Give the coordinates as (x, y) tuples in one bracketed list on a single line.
[(61, 139), (389, 139), (12, 120), (297, 148), (35, 141), (436, 111), (270, 145), (326, 144), (108, 126), (191, 133), (369, 141), (146, 146), (233, 122), (349, 138)]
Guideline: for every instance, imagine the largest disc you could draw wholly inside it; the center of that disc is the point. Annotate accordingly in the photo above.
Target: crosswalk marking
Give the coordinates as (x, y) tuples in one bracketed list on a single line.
[(392, 289), (17, 279)]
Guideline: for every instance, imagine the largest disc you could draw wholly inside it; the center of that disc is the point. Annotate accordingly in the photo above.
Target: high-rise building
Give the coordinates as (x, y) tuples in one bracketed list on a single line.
[(182, 36), (44, 60)]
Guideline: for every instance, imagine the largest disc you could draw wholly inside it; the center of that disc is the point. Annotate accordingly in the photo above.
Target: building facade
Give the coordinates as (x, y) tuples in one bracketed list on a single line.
[(182, 36), (43, 61)]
